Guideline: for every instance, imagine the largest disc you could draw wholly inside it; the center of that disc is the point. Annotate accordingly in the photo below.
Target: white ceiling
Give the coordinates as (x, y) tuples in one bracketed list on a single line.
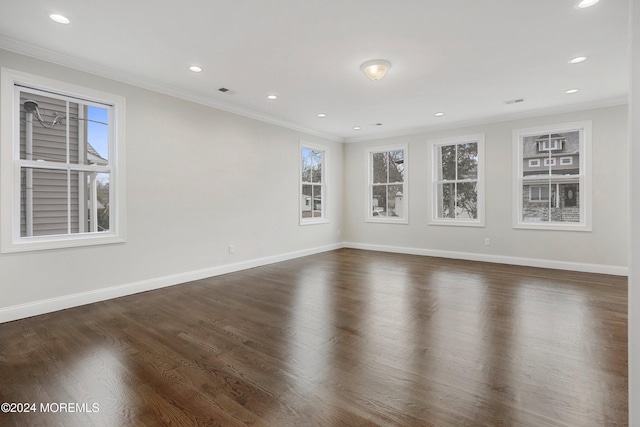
[(461, 57)]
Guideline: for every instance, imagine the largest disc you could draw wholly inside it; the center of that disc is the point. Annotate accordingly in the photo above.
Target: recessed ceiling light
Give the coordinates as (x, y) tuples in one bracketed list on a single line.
[(439, 114), (570, 91), (60, 19), (272, 97), (322, 115), (578, 59), (586, 3), (195, 69), (357, 128)]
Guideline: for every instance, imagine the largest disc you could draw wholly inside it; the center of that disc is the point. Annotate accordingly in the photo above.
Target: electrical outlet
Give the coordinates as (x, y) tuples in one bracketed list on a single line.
[(487, 241), (232, 249)]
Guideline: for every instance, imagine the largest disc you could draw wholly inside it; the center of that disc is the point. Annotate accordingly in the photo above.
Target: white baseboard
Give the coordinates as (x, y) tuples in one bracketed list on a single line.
[(500, 259), (35, 308)]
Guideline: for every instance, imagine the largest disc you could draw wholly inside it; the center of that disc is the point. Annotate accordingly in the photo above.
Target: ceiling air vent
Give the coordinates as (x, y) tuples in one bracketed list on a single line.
[(514, 101)]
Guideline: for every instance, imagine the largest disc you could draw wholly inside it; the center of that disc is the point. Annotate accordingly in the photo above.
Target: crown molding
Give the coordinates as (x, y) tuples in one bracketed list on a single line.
[(57, 58)]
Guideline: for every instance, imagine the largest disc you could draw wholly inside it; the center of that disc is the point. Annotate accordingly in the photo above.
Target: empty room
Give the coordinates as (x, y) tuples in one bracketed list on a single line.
[(320, 212)]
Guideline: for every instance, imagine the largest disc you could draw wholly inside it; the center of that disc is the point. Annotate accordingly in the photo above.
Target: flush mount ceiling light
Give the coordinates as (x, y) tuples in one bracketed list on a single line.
[(439, 114), (195, 69), (578, 59), (586, 3), (322, 115), (272, 97), (571, 91), (376, 68), (60, 19)]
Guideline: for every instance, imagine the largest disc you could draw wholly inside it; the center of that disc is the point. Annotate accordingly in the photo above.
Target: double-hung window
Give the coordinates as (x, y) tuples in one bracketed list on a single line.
[(62, 163), (458, 181), (313, 160), (387, 199), (557, 193)]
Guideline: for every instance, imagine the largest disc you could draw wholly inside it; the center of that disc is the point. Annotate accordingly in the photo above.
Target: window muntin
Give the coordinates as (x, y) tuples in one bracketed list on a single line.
[(61, 145), (457, 182), (387, 189), (312, 184), (556, 195)]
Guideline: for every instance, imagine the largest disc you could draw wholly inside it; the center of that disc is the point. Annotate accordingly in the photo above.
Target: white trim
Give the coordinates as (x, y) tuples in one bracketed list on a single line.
[(534, 163), (432, 145), (585, 161), (323, 185), (35, 308), (500, 259), (405, 185), (10, 240)]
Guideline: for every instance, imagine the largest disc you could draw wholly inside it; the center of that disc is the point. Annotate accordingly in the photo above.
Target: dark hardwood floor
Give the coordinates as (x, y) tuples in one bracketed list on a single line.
[(343, 338)]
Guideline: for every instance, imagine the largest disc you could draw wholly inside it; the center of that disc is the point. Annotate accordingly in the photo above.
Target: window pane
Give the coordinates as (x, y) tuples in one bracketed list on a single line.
[(379, 200), (316, 166), (396, 166), (447, 170), (568, 203), (97, 197), (97, 148), (468, 161), (317, 201), (306, 165), (380, 167), (394, 197), (306, 201), (445, 200), (44, 203), (467, 200)]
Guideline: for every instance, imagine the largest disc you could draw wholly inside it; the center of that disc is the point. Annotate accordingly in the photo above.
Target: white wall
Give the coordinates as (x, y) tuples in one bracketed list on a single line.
[(198, 179), (604, 249), (634, 235)]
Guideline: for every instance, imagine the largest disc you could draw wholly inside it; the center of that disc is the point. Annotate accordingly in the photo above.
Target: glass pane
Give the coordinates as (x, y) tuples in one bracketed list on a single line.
[(317, 201), (394, 198), (44, 204), (447, 156), (379, 200), (306, 201), (98, 201), (46, 139), (445, 200), (396, 166), (467, 200), (379, 164), (316, 166), (97, 148), (468, 161), (535, 202), (306, 165)]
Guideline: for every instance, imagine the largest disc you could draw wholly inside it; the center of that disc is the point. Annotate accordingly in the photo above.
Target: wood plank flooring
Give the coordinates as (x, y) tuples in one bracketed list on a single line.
[(343, 338)]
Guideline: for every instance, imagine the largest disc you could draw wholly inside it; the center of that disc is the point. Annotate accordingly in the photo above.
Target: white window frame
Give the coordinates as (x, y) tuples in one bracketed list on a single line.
[(432, 160), (10, 164), (369, 217), (323, 184), (534, 163), (584, 178), (568, 163), (550, 161)]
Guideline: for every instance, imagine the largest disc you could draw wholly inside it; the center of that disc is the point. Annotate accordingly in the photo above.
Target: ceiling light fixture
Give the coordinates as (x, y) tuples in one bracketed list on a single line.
[(571, 91), (578, 59), (376, 68), (586, 3), (272, 97), (357, 128), (60, 19), (195, 69), (439, 114), (322, 115)]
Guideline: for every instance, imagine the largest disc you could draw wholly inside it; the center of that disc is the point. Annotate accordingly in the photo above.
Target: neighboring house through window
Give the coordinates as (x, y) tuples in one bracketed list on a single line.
[(552, 169), (388, 185), (62, 147), (458, 181), (313, 160)]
